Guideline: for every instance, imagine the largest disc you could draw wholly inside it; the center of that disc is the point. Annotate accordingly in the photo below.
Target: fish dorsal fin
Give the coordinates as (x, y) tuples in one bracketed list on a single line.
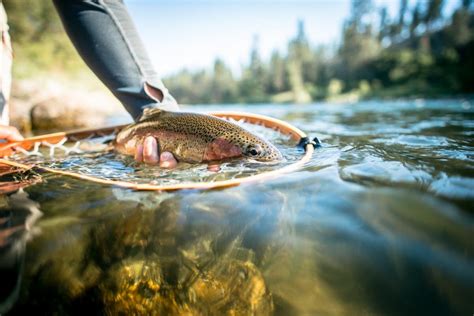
[(150, 112)]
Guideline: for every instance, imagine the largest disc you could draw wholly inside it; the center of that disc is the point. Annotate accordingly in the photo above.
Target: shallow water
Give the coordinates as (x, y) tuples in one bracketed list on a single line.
[(379, 222)]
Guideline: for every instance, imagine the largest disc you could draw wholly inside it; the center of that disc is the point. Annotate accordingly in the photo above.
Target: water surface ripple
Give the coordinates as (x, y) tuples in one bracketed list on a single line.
[(380, 222)]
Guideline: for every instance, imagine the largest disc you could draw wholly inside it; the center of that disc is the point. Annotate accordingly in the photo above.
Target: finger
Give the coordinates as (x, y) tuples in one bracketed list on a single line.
[(150, 151), (214, 167), (139, 153), (167, 160), (10, 133)]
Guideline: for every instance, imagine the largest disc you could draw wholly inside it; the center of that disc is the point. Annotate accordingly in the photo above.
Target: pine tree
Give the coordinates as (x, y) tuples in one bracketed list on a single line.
[(466, 4), (358, 45), (415, 20), (384, 24), (433, 13), (401, 15), (359, 11), (252, 84), (223, 87), (277, 75), (460, 31)]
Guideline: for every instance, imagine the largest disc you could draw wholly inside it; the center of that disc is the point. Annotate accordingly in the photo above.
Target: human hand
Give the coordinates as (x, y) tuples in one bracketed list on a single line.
[(10, 133), (148, 153)]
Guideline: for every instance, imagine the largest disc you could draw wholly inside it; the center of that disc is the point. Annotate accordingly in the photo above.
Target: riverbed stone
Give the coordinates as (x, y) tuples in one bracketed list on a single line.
[(57, 114)]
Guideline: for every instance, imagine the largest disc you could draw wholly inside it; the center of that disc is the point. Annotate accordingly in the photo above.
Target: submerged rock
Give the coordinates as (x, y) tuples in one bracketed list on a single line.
[(229, 287)]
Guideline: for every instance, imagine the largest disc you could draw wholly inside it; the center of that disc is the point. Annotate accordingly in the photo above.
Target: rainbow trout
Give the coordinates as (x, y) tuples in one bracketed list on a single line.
[(193, 137)]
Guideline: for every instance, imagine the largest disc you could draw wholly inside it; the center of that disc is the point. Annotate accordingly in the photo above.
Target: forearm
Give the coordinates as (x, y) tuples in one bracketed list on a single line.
[(105, 37)]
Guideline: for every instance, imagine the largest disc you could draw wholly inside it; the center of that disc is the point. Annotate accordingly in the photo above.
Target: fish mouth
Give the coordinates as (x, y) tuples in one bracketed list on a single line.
[(274, 157), (263, 152)]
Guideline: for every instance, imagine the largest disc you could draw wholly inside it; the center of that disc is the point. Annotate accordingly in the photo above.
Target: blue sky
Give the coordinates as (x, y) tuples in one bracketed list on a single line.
[(191, 34)]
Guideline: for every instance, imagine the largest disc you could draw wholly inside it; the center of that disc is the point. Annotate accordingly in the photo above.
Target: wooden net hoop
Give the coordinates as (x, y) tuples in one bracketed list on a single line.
[(296, 134)]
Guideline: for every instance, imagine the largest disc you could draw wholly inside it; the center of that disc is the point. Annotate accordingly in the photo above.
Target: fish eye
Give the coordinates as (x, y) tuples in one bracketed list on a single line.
[(254, 151)]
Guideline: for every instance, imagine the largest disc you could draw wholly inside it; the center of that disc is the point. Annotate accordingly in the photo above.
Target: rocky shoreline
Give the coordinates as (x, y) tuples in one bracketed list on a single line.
[(50, 105)]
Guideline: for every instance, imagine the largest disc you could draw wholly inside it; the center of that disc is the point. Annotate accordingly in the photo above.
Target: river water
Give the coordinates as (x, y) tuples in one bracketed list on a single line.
[(380, 222)]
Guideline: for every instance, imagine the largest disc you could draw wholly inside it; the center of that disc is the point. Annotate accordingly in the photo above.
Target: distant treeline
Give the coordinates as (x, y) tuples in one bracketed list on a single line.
[(418, 52)]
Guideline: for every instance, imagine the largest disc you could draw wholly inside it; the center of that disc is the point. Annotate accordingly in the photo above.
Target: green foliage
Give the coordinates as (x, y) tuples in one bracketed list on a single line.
[(357, 50), (39, 43), (335, 87), (253, 82), (293, 78), (277, 74), (393, 60), (31, 20), (433, 12), (223, 86)]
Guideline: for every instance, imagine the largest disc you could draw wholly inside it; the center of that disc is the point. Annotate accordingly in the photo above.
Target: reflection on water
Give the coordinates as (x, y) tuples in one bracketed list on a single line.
[(18, 214), (379, 222)]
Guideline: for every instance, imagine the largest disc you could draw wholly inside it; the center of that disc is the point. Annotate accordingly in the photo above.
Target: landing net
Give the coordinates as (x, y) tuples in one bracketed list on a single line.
[(88, 155)]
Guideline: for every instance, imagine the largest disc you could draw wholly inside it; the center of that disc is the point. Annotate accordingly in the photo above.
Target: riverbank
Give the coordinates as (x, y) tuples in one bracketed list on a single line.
[(81, 101), (58, 103)]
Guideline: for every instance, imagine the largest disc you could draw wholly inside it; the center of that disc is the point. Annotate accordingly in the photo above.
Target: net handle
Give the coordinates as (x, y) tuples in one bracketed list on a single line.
[(269, 122)]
